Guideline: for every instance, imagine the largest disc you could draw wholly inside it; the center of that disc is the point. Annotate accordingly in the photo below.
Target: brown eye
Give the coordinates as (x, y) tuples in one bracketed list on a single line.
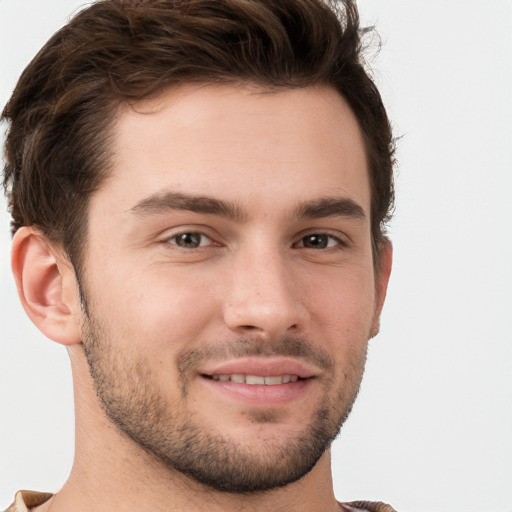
[(319, 241), (190, 240)]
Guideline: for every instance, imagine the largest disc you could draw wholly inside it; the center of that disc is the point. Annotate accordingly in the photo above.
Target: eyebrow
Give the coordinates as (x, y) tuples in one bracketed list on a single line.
[(330, 207), (315, 209), (160, 203)]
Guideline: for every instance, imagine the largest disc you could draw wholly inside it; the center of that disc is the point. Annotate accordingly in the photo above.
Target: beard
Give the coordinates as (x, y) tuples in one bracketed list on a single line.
[(176, 438)]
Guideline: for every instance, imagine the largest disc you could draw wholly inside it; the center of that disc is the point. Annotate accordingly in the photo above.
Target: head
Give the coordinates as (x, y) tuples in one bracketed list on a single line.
[(138, 112), (114, 53)]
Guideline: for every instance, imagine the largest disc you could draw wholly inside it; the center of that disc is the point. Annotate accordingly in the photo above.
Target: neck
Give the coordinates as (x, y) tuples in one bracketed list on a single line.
[(111, 472)]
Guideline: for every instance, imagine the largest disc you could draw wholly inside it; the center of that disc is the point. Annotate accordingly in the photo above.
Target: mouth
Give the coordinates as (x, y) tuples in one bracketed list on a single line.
[(255, 380), (260, 382), (259, 371)]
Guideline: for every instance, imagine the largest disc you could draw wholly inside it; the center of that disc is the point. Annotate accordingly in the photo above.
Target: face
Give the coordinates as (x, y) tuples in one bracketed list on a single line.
[(229, 284)]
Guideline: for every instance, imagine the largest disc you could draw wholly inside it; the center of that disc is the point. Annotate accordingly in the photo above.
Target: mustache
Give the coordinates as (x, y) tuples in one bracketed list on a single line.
[(252, 347)]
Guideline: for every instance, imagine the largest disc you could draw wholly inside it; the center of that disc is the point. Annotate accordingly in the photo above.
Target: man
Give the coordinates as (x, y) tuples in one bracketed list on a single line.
[(199, 192)]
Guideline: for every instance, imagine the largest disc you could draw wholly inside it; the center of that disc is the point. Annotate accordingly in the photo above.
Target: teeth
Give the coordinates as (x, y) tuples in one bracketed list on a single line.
[(257, 380), (252, 379), (270, 381)]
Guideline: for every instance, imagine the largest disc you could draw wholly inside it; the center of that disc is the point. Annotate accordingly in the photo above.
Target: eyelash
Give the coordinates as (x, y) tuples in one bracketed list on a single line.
[(316, 238), (177, 236), (338, 242)]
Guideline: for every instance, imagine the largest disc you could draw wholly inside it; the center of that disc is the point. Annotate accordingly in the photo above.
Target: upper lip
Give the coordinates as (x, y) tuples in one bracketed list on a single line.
[(260, 366)]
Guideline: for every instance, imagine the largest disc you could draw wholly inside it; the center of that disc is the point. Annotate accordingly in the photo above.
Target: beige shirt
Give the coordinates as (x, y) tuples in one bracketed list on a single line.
[(26, 500)]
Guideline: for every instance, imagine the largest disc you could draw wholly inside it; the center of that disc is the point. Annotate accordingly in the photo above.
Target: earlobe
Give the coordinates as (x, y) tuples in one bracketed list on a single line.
[(383, 271), (45, 282)]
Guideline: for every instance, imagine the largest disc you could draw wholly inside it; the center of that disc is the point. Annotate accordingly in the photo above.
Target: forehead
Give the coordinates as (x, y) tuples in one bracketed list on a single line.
[(239, 143)]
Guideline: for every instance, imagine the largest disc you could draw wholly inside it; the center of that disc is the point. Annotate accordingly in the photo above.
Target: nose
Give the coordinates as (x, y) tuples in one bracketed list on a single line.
[(263, 297)]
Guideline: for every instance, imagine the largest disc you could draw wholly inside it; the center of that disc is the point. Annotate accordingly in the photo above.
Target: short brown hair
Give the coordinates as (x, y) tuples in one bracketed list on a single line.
[(62, 110)]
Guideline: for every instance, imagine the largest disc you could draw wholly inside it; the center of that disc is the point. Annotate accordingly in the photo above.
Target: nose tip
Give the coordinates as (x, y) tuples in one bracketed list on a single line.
[(264, 301), (253, 316), (256, 317)]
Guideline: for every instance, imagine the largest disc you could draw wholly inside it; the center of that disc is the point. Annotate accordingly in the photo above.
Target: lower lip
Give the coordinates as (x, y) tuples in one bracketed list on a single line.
[(261, 395)]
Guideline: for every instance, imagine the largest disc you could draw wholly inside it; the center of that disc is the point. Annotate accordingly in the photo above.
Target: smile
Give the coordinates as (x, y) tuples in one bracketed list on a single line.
[(256, 380)]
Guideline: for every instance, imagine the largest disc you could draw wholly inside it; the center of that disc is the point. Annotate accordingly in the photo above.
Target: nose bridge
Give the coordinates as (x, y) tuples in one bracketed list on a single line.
[(263, 297)]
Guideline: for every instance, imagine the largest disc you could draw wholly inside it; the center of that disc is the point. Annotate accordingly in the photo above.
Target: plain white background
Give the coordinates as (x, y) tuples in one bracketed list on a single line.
[(432, 429)]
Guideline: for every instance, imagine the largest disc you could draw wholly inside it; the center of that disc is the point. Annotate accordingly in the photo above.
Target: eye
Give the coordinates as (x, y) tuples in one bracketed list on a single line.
[(319, 241), (190, 240)]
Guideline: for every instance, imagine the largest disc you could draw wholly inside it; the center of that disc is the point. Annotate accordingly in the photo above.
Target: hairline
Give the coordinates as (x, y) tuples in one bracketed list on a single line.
[(118, 105)]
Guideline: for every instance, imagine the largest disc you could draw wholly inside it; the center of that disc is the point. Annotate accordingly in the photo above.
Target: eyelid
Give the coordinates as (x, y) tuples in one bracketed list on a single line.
[(197, 233), (203, 231), (342, 239)]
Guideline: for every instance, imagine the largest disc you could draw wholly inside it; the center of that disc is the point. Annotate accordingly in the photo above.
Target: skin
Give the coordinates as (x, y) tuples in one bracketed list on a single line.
[(267, 269)]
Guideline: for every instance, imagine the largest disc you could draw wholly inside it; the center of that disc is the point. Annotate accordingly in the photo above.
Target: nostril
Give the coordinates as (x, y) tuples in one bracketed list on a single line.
[(252, 328), (269, 318)]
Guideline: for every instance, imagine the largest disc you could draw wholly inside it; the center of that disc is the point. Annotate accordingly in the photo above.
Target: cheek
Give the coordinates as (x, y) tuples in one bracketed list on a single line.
[(343, 302), (342, 312), (156, 310)]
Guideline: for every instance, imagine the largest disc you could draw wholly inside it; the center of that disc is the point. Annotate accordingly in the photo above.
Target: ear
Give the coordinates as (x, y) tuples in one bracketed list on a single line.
[(382, 273), (47, 286)]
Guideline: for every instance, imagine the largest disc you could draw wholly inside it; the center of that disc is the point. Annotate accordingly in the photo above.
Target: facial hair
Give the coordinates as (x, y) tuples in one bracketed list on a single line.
[(175, 438)]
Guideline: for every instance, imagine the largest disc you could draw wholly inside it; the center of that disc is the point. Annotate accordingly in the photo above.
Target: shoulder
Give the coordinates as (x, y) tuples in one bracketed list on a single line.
[(24, 500), (367, 506)]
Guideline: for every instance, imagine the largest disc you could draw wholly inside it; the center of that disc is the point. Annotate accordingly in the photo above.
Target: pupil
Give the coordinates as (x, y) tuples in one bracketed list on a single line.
[(316, 241), (188, 240)]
